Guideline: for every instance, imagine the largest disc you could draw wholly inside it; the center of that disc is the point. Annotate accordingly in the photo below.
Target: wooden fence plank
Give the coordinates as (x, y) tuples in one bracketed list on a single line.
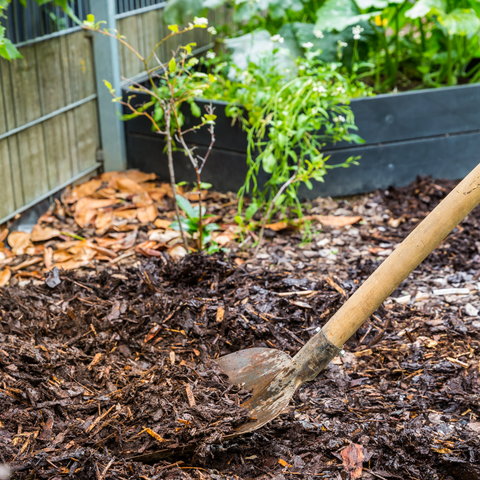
[(72, 141), (7, 196), (87, 134), (15, 165), (33, 163), (3, 112), (58, 155), (49, 66), (130, 65), (25, 87), (80, 61)]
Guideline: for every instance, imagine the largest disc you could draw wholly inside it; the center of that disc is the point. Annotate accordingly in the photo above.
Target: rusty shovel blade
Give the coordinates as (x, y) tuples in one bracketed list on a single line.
[(273, 376)]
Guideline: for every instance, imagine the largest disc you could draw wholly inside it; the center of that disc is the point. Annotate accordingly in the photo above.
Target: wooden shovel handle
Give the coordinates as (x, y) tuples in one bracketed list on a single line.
[(404, 259)]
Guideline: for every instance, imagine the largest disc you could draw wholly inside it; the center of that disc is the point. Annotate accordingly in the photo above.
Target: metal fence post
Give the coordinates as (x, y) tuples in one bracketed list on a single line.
[(107, 67)]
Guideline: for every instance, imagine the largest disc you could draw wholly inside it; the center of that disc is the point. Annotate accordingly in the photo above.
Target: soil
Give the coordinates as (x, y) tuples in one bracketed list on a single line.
[(102, 365)]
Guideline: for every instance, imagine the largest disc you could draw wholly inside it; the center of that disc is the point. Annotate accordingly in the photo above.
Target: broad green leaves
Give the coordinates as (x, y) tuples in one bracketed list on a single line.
[(177, 11), (421, 8), (460, 21), (340, 14)]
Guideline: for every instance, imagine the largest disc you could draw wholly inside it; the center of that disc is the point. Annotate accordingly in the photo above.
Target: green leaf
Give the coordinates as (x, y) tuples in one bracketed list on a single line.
[(340, 14), (269, 162), (461, 22), (280, 199), (205, 186), (366, 4), (423, 8), (158, 113), (211, 227), (8, 50), (251, 211), (185, 205), (195, 109), (179, 11), (172, 65)]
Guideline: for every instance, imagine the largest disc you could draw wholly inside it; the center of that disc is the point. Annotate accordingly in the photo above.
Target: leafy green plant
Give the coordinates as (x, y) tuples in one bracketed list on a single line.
[(195, 225), (288, 121), (171, 84), (7, 48), (386, 43)]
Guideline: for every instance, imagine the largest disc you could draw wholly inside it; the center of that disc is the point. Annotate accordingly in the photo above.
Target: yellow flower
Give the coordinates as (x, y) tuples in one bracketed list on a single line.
[(378, 21), (384, 22)]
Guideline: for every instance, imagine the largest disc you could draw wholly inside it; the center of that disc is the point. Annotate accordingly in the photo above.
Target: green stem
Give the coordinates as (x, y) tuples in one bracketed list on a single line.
[(422, 35), (449, 59), (76, 237)]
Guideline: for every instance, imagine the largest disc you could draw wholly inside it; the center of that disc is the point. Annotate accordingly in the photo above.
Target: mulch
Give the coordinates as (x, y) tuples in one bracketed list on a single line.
[(103, 364)]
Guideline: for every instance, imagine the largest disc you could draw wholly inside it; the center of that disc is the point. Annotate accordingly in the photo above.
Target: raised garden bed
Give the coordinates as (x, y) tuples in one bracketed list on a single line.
[(426, 132)]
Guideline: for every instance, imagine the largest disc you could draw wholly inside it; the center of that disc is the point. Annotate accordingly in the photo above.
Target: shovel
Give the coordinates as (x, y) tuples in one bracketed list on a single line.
[(273, 376)]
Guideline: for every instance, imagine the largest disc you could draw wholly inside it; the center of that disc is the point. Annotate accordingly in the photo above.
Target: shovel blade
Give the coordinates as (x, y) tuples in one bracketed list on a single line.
[(264, 371)]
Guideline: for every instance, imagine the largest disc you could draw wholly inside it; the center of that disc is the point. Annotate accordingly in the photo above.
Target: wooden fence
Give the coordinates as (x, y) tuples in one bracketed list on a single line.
[(50, 127), (48, 119)]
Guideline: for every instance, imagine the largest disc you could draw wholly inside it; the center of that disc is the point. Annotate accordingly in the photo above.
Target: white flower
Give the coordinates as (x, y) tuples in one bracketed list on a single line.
[(319, 89), (356, 32), (200, 21), (318, 33), (307, 45), (211, 55), (340, 89), (301, 67), (212, 30), (341, 118), (277, 38)]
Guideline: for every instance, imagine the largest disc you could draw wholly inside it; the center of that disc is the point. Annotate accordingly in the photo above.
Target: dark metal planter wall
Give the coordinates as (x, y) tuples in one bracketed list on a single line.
[(427, 132)]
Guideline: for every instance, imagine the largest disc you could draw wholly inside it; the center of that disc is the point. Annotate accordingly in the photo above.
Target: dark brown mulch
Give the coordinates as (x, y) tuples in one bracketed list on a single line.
[(98, 368)]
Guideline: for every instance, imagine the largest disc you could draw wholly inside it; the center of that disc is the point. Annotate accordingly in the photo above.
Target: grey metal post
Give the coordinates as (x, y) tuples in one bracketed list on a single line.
[(107, 67)]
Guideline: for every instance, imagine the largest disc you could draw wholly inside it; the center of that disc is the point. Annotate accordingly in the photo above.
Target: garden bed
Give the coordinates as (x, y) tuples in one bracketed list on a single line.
[(426, 132), (97, 368)]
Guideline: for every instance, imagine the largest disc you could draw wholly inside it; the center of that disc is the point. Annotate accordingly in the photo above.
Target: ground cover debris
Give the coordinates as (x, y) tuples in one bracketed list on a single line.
[(111, 361)]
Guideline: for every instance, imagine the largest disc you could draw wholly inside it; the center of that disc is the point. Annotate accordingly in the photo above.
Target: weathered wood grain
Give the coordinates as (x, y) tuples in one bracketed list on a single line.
[(25, 87), (57, 151), (7, 195), (50, 76), (87, 134), (81, 69), (31, 148)]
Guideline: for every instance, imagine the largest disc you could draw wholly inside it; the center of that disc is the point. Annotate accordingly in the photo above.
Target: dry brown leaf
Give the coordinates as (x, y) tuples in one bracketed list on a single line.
[(130, 214), (48, 257), (60, 256), (158, 193), (126, 185), (71, 264), (220, 314), (84, 190), (132, 174), (27, 263), (163, 237), (337, 221), (3, 235), (103, 222), (41, 234), (277, 226), (222, 238), (142, 199), (177, 252), (5, 276), (353, 457), (20, 242), (161, 223), (85, 217), (66, 245), (94, 203), (147, 214)]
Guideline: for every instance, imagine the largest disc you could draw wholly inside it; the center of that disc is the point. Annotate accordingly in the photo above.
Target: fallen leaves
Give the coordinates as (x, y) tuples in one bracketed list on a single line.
[(353, 457), (20, 242)]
